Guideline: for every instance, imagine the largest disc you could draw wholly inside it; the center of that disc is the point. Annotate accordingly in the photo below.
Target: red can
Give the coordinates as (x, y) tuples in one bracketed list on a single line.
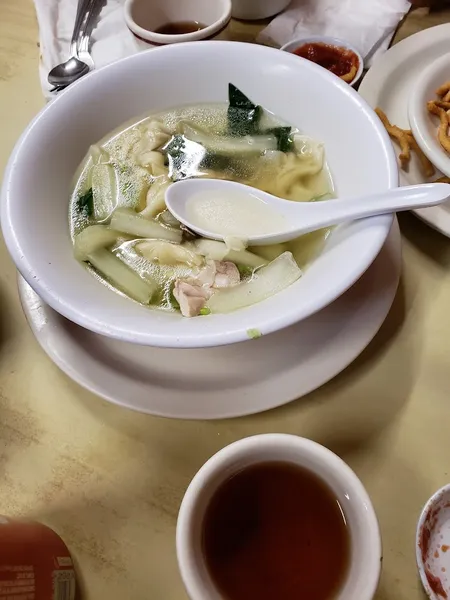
[(35, 563)]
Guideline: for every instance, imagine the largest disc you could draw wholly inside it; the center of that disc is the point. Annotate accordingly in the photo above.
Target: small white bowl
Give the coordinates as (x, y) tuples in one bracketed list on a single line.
[(331, 41), (423, 124), (144, 17), (366, 552), (433, 545)]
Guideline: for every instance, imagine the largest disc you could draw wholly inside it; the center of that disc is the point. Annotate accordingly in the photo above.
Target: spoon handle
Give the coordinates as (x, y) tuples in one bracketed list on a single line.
[(333, 212), (94, 10), (80, 20)]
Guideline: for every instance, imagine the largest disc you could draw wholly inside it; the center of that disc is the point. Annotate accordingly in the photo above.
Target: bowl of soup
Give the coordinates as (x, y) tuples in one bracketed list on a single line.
[(83, 211)]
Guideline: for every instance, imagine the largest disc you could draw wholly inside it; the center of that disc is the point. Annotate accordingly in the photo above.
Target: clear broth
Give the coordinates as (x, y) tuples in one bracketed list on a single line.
[(133, 182)]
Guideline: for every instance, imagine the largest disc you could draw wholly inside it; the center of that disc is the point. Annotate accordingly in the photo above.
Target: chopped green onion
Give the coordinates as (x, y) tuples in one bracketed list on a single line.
[(284, 141), (254, 334)]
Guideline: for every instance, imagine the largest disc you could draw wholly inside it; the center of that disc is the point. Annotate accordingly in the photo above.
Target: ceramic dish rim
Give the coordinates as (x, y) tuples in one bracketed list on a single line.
[(160, 38), (333, 41), (418, 116)]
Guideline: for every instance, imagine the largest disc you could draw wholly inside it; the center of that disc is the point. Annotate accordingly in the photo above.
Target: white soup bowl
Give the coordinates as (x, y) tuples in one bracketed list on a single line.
[(38, 180)]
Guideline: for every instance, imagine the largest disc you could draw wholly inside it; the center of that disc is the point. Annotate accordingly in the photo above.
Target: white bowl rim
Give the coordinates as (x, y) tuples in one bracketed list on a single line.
[(304, 446), (417, 115), (326, 39), (160, 38), (268, 324)]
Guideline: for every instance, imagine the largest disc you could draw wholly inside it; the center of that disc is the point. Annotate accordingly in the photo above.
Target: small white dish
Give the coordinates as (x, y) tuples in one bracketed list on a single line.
[(144, 17), (424, 125), (43, 164), (366, 553), (433, 545), (389, 85), (330, 41), (249, 10), (196, 384)]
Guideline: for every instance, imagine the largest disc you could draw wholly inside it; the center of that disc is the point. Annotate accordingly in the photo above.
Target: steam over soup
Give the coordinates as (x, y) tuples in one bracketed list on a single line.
[(126, 237)]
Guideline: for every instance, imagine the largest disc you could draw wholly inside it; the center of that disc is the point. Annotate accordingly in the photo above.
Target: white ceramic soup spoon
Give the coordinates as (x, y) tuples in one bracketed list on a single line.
[(220, 209)]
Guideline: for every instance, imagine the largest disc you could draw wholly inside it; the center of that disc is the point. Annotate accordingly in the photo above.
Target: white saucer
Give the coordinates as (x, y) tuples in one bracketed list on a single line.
[(226, 381), (389, 83)]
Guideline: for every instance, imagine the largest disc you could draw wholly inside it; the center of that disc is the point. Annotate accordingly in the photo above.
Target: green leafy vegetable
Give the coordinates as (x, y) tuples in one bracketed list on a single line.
[(284, 141), (254, 334), (205, 311), (237, 99), (243, 115), (218, 162), (183, 156), (85, 203), (175, 151), (225, 164), (245, 271)]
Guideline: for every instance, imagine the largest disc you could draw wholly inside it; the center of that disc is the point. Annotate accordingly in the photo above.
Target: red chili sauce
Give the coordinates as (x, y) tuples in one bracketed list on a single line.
[(342, 62)]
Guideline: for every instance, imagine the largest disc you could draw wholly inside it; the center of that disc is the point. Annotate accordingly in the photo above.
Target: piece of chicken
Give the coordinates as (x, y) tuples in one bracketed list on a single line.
[(227, 274), (193, 292), (191, 298), (218, 274)]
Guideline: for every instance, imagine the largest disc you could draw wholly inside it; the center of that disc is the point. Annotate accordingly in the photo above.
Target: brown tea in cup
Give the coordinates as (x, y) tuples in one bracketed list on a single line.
[(276, 530)]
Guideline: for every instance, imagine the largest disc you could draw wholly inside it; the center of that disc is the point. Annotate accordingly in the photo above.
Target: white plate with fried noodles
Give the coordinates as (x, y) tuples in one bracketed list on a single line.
[(389, 83), (225, 381)]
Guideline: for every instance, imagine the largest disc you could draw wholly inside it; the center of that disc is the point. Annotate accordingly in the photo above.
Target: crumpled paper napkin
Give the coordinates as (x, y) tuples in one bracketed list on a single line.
[(366, 24)]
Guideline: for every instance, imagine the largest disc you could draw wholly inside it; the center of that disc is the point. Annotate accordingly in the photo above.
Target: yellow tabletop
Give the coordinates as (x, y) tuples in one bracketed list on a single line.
[(110, 481)]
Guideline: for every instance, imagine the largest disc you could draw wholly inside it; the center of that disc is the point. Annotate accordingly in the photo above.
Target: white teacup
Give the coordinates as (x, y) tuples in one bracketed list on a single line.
[(365, 560), (144, 17)]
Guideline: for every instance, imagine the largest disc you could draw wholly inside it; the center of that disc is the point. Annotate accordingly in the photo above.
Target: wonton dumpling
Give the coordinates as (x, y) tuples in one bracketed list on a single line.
[(293, 168), (156, 135), (309, 151), (152, 137), (154, 162), (156, 197), (166, 253)]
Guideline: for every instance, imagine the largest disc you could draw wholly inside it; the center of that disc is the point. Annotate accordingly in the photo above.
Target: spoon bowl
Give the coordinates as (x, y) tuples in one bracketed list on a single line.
[(67, 72), (220, 209)]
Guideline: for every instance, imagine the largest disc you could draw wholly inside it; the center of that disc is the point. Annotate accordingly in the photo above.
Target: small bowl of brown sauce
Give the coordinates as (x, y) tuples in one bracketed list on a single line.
[(162, 22), (333, 54)]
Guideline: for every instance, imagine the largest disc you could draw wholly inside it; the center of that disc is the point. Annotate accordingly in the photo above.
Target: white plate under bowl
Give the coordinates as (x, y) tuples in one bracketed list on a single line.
[(226, 381), (424, 125), (389, 85)]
